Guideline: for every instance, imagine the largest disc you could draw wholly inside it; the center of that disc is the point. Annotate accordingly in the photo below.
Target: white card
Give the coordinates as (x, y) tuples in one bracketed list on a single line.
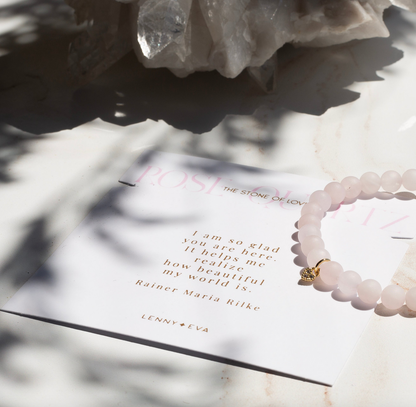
[(203, 269), (393, 213)]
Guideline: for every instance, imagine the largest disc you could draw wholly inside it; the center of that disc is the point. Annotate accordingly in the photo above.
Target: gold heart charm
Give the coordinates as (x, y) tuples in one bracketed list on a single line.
[(309, 274)]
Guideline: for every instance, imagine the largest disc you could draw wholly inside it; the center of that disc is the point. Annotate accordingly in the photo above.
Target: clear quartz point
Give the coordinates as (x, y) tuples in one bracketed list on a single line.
[(160, 23), (224, 35)]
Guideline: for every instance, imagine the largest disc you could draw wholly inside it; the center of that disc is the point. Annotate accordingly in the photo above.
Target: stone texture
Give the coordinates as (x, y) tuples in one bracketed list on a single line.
[(106, 39), (230, 35)]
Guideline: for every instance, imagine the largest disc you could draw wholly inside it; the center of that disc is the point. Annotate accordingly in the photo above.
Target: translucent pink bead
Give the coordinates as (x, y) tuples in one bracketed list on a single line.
[(311, 242), (370, 182), (336, 191), (369, 291), (309, 219), (316, 255), (348, 282), (393, 296), (322, 198), (411, 299), (313, 208), (409, 180), (308, 230), (391, 181), (352, 187), (330, 272)]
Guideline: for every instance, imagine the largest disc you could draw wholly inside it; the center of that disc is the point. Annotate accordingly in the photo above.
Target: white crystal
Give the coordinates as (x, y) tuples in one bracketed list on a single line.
[(161, 23), (230, 35)]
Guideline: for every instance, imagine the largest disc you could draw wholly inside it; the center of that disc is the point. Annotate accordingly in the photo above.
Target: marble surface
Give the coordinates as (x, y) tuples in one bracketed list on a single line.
[(338, 111)]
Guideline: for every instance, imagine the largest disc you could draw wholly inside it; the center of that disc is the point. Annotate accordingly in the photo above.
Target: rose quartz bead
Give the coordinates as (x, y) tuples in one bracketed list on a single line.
[(411, 299), (352, 187), (393, 296), (311, 242), (316, 255), (308, 230), (348, 282), (336, 191), (391, 181), (309, 219), (312, 208), (369, 291), (370, 182), (409, 180), (322, 198), (330, 272)]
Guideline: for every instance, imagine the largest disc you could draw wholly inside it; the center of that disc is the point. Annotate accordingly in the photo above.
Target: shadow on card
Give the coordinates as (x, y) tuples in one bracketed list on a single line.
[(359, 304), (403, 311), (167, 347)]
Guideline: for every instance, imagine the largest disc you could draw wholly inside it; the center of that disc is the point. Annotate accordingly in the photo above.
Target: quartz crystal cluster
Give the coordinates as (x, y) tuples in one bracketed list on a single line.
[(230, 35)]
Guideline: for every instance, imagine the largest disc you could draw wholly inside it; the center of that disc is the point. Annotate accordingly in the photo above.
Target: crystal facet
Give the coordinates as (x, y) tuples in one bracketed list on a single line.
[(161, 23)]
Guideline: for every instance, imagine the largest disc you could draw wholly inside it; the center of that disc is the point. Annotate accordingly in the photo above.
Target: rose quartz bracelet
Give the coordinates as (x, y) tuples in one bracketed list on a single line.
[(319, 260)]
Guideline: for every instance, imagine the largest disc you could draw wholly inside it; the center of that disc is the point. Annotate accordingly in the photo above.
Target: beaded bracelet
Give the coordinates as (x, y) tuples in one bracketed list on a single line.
[(319, 260)]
